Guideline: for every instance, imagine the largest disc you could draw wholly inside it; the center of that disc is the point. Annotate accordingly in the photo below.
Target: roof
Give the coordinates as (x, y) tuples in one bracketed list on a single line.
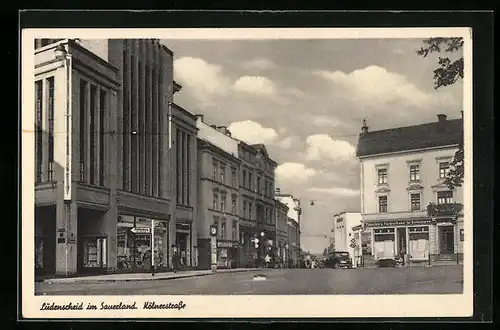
[(436, 134)]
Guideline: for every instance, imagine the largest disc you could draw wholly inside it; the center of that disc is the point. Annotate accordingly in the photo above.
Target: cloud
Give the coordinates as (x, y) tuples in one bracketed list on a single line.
[(322, 146), (294, 172), (259, 64), (376, 84), (326, 121), (287, 142), (255, 85), (252, 132), (203, 79), (346, 192)]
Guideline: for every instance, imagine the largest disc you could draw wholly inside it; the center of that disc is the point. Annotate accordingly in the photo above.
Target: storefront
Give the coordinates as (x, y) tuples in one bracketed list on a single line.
[(134, 241), (183, 232), (227, 254)]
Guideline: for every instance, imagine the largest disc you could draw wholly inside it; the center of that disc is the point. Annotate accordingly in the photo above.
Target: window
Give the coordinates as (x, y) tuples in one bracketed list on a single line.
[(215, 166), (234, 232), (258, 186), (444, 169), (50, 115), (233, 177), (250, 216), (244, 178), (250, 186), (233, 204), (382, 204), (382, 176), (445, 197), (223, 203), (222, 173), (215, 201), (244, 209), (39, 130), (415, 202), (265, 188), (414, 173), (223, 229)]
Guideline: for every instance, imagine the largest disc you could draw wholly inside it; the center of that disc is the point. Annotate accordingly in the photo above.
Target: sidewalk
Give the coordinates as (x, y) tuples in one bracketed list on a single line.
[(144, 276)]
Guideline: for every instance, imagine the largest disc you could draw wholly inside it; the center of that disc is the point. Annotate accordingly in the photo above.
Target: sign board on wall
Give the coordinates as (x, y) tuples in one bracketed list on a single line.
[(389, 223)]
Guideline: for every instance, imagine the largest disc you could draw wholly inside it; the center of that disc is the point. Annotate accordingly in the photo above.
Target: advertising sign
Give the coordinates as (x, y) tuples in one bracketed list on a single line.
[(394, 223)]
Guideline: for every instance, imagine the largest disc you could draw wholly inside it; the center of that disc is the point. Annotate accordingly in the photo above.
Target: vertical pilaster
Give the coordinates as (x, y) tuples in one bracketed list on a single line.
[(142, 119), (97, 133), (87, 134), (135, 108), (45, 129)]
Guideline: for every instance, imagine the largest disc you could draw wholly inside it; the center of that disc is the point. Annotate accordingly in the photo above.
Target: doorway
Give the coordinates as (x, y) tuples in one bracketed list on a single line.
[(182, 247), (446, 239), (402, 244)]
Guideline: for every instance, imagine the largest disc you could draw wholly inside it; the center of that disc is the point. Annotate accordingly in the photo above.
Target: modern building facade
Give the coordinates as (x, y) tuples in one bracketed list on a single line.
[(343, 224), (116, 174), (402, 178), (218, 195)]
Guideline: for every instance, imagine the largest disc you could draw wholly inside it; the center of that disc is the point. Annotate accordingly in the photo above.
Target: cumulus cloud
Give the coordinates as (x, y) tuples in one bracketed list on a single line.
[(252, 132), (203, 79), (322, 146), (259, 64), (287, 142), (346, 192), (256, 85), (376, 84), (326, 121), (294, 172)]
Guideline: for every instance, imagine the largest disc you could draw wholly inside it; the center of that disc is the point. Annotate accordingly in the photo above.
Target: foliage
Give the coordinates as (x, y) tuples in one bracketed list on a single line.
[(447, 73)]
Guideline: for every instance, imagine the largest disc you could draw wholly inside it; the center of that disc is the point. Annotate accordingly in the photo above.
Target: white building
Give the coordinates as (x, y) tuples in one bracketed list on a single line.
[(343, 233), (402, 173)]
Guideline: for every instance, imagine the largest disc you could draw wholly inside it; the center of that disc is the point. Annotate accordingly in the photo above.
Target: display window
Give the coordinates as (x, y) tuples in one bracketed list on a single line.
[(222, 257), (419, 242), (94, 252), (384, 243)]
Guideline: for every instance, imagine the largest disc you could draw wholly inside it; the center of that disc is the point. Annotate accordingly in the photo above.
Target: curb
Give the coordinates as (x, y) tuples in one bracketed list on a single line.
[(152, 278)]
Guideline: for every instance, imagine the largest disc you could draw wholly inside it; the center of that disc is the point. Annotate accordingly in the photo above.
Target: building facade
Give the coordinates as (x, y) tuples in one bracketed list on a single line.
[(406, 207), (281, 232), (294, 214), (108, 184), (218, 195), (344, 240)]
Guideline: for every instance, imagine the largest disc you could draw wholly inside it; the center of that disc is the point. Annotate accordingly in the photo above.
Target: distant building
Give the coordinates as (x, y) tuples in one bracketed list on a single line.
[(281, 231), (402, 178), (293, 231), (343, 231)]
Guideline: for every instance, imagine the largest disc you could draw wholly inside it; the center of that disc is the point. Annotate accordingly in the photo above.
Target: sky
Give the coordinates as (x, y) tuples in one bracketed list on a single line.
[(306, 101)]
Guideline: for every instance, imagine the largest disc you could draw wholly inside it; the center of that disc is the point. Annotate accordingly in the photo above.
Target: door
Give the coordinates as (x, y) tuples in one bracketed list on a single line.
[(446, 239)]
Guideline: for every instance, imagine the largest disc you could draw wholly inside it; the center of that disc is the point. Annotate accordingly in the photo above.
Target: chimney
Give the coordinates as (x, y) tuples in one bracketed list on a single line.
[(441, 118), (364, 129)]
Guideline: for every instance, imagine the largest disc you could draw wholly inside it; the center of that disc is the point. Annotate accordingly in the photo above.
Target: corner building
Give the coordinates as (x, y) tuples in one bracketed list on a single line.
[(406, 207), (110, 180)]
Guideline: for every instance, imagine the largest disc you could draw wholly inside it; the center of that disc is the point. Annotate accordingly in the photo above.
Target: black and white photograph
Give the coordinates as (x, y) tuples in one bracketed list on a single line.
[(253, 172)]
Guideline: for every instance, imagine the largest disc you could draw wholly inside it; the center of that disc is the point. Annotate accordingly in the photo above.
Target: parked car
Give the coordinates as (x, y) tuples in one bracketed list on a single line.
[(338, 259)]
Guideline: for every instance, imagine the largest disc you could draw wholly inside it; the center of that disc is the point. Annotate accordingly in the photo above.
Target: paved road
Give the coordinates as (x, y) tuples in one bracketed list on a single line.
[(414, 280)]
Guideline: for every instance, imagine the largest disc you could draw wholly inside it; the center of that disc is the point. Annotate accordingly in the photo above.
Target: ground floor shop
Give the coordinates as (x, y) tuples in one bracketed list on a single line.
[(416, 240), (227, 254)]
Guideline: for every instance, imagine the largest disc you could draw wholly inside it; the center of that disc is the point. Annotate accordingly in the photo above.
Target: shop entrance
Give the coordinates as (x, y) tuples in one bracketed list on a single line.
[(182, 240), (402, 244), (446, 239)]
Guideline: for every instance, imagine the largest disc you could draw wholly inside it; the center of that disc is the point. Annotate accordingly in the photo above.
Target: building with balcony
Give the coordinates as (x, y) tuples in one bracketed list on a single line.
[(218, 195), (406, 207), (105, 156), (343, 233)]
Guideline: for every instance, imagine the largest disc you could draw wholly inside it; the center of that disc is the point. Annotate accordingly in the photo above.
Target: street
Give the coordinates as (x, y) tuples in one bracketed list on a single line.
[(408, 280)]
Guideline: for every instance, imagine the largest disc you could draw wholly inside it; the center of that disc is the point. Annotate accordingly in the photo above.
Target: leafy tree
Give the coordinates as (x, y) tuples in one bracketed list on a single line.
[(447, 73)]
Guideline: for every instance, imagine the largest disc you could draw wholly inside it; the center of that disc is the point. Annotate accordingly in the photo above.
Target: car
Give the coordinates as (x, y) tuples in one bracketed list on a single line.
[(339, 259)]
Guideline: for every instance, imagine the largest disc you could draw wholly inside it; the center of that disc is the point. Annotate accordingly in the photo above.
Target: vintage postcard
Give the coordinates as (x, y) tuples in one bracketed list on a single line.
[(222, 173)]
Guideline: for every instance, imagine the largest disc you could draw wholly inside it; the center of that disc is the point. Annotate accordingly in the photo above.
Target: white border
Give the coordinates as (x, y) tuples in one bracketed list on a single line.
[(308, 306)]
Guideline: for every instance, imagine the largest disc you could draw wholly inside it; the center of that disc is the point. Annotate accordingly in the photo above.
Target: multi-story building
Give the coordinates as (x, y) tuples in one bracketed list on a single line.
[(402, 178), (108, 178), (257, 198), (281, 231), (344, 240), (293, 250), (218, 195)]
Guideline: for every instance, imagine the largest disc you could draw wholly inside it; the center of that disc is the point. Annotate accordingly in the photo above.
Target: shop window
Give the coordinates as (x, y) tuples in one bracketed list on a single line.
[(382, 204), (415, 202), (415, 173), (94, 252), (382, 176), (445, 197), (444, 169), (419, 242)]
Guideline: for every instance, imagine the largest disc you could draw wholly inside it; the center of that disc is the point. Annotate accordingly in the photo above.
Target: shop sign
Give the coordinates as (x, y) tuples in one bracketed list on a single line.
[(225, 244), (390, 223), (141, 230)]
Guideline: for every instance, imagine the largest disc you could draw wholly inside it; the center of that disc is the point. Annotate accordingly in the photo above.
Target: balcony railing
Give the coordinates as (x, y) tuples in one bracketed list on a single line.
[(440, 210)]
